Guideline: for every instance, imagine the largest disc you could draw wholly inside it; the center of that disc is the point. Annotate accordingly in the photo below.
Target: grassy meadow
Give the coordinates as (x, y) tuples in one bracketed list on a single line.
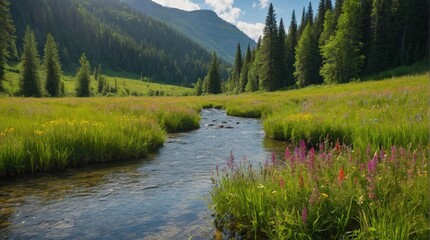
[(360, 169), (126, 85)]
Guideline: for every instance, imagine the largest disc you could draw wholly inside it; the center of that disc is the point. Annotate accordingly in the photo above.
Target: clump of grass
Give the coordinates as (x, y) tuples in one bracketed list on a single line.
[(38, 135), (335, 193), (357, 115)]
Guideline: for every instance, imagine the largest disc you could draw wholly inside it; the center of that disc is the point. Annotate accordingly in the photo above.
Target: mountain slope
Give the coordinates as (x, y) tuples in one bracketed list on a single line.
[(203, 26), (113, 35)]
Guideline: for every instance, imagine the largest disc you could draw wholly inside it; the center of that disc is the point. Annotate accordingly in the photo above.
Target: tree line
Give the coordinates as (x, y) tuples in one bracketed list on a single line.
[(113, 35), (340, 43)]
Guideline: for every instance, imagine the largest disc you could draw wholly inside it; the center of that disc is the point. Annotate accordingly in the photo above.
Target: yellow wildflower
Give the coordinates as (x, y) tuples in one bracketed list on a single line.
[(324, 195)]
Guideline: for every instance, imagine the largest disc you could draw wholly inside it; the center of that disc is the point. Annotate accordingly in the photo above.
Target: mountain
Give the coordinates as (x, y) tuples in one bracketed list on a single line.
[(204, 26), (113, 35)]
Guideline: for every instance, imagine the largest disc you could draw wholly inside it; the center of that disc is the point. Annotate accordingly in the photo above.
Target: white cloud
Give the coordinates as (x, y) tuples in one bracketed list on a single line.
[(186, 5), (225, 10), (254, 4), (253, 30), (263, 4)]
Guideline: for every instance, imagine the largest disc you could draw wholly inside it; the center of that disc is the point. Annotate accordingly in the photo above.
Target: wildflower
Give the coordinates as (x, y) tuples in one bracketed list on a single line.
[(311, 156), (371, 165), (337, 146), (304, 215), (341, 175), (38, 132), (260, 186), (324, 195), (281, 183)]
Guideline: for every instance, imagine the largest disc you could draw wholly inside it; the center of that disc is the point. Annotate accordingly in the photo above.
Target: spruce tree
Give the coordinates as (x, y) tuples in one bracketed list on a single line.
[(83, 78), (290, 51), (30, 64), (213, 77), (329, 28), (238, 63), (310, 15), (269, 55), (282, 55), (198, 87), (7, 38), (302, 25), (342, 53), (306, 60), (52, 67), (245, 69)]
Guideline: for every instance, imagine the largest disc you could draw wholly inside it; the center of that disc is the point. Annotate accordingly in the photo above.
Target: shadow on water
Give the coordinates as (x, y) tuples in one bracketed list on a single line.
[(163, 196)]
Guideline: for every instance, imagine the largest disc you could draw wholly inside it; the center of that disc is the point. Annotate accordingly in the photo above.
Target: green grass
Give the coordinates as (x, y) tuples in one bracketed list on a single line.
[(381, 114), (127, 85), (337, 193), (39, 135)]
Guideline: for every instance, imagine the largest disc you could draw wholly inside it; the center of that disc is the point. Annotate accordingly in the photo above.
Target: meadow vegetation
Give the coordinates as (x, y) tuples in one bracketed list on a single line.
[(360, 170)]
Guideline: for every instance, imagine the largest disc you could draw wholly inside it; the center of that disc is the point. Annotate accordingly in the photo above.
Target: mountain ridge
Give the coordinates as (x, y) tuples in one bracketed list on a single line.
[(203, 26)]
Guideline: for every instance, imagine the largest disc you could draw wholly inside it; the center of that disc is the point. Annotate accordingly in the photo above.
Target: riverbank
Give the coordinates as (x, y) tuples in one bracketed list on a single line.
[(39, 135)]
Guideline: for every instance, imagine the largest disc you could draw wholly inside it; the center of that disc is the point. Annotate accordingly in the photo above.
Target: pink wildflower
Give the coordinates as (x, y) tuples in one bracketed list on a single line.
[(304, 215)]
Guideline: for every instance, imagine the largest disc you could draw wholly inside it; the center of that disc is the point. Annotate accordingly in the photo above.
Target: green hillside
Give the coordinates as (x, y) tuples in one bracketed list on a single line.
[(203, 26), (113, 35)]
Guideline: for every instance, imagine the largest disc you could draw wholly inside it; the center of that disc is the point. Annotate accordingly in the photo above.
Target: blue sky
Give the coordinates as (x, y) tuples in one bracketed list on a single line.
[(248, 16)]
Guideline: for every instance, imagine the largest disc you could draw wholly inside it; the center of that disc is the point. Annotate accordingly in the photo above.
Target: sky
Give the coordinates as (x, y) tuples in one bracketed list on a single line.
[(248, 15)]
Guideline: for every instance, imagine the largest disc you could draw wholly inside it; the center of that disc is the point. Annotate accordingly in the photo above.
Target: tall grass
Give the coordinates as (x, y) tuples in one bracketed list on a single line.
[(337, 193), (47, 134), (382, 114)]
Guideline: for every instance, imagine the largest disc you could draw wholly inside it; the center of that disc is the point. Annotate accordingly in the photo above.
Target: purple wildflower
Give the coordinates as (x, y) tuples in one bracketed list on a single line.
[(304, 215), (287, 154), (371, 165), (311, 157)]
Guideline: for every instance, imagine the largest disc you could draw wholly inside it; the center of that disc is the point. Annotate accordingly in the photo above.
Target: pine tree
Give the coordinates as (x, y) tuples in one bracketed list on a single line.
[(328, 5), (302, 25), (198, 87), (30, 62), (380, 56), (291, 51), (269, 55), (245, 69), (83, 78), (310, 15), (213, 77), (306, 65), (7, 38), (101, 80), (329, 28), (282, 55), (52, 67), (337, 10), (342, 53), (238, 63)]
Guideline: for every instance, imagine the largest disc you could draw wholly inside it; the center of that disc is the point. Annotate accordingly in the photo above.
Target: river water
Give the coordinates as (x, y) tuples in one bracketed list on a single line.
[(164, 196)]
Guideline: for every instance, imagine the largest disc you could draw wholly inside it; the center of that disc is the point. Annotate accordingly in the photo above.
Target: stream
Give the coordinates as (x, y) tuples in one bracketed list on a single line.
[(163, 196)]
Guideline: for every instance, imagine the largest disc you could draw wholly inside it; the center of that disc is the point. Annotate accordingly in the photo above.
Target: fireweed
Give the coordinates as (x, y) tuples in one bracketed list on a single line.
[(335, 193)]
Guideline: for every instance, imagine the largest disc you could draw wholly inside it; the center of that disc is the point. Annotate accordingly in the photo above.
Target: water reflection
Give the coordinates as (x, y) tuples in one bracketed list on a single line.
[(161, 197)]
